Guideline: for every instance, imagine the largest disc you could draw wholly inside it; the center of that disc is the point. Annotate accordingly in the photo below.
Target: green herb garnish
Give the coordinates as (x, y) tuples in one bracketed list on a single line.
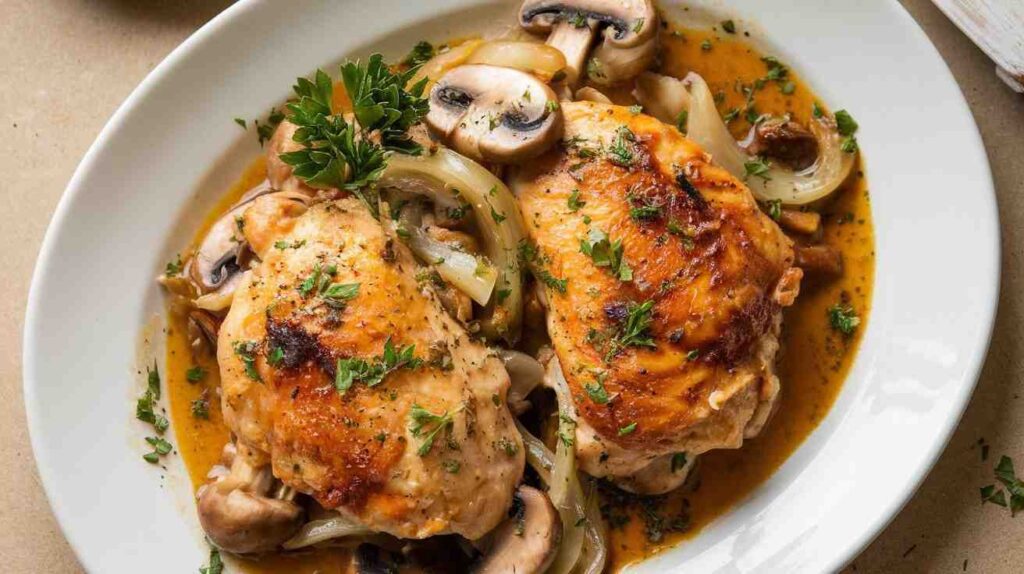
[(195, 373), (160, 448), (174, 267), (620, 152), (373, 372), (201, 408), (419, 54), (729, 26), (628, 429), (216, 566), (596, 390), (574, 202), (606, 253), (759, 167), (427, 425), (843, 318), (246, 352)]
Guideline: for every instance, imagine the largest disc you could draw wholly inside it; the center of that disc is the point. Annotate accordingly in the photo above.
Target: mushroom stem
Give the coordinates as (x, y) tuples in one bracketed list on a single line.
[(574, 42)]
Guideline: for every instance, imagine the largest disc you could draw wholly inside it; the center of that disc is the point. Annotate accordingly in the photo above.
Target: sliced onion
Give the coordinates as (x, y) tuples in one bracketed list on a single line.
[(317, 531), (435, 67), (564, 488), (468, 273), (534, 58), (445, 174), (705, 127), (595, 547)]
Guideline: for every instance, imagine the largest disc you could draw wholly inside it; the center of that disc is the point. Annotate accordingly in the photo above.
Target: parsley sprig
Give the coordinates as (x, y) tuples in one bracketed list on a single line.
[(427, 425), (373, 372), (1006, 475), (335, 295), (343, 155), (606, 253), (843, 318)]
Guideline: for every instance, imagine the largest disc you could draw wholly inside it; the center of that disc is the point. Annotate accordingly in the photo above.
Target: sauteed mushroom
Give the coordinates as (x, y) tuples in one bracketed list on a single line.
[(630, 35), (527, 541), (494, 114), (236, 512)]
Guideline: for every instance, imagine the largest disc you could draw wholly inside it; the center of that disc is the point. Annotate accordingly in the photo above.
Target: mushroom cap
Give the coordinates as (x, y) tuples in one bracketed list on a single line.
[(215, 260), (525, 543), (629, 22), (242, 522), (494, 114), (614, 64)]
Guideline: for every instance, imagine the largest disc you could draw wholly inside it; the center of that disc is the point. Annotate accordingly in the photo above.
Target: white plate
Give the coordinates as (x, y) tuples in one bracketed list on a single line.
[(139, 191)]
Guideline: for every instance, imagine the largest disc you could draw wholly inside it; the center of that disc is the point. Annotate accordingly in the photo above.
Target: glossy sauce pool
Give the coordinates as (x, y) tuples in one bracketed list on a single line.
[(812, 366)]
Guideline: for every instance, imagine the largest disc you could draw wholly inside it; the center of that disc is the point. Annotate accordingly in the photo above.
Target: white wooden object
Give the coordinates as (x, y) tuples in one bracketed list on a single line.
[(997, 27)]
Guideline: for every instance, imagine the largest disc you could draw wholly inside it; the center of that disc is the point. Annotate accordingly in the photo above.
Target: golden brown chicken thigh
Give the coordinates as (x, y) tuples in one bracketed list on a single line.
[(341, 370), (665, 284)]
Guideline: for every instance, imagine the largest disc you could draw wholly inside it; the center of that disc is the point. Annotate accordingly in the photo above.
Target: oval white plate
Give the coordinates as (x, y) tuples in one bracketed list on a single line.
[(139, 191)]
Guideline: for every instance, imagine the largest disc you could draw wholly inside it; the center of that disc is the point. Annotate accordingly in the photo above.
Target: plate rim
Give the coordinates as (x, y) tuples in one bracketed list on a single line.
[(973, 363)]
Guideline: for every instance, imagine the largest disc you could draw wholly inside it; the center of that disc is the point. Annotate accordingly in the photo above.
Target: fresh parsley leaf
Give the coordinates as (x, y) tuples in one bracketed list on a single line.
[(195, 373), (845, 123), (596, 390), (201, 408), (275, 356), (497, 217), (606, 253), (843, 318), (427, 425), (678, 461), (246, 352), (638, 25), (636, 109), (759, 167), (641, 209), (282, 245), (991, 494), (216, 566), (777, 72), (628, 429), (337, 294), (451, 466), (621, 152), (706, 45), (729, 26), (373, 372), (530, 257), (266, 130), (174, 267), (160, 446), (816, 110), (681, 121), (241, 122), (419, 54), (774, 208), (574, 201)]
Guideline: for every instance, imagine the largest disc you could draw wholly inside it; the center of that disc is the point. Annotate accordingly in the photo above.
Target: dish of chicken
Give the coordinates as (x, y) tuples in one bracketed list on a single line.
[(541, 301)]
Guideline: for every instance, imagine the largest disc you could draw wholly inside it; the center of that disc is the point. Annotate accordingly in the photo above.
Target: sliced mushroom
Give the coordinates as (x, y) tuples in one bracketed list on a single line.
[(494, 114), (525, 543), (803, 222), (203, 328), (819, 260), (630, 35), (238, 515), (588, 94), (216, 259), (525, 373), (784, 141)]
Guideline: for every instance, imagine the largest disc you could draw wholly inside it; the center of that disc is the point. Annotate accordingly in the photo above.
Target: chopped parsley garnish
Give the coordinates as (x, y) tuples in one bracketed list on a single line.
[(788, 88), (681, 120), (216, 566), (246, 352), (419, 54), (638, 25), (606, 253), (552, 106), (1005, 474), (241, 122), (776, 70), (678, 461), (275, 356), (596, 390), (427, 425), (759, 167), (692, 355), (335, 295), (266, 130), (507, 446), (160, 448), (641, 209), (282, 245), (843, 318), (195, 373), (451, 466), (706, 45), (201, 408), (633, 331), (497, 217), (578, 20), (566, 430), (373, 372), (729, 26), (620, 152), (628, 429), (774, 208), (636, 109), (574, 202), (174, 267), (145, 407), (530, 256), (847, 127), (816, 110), (343, 155)]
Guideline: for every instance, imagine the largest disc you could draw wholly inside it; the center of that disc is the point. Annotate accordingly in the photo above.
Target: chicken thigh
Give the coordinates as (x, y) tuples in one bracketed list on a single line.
[(342, 371), (665, 284)]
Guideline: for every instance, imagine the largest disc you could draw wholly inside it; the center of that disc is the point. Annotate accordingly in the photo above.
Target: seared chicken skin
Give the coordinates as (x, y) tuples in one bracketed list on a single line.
[(428, 448), (692, 370)]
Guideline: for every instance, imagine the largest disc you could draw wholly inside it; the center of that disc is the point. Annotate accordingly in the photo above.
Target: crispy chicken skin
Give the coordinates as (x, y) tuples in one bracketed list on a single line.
[(717, 270), (356, 452)]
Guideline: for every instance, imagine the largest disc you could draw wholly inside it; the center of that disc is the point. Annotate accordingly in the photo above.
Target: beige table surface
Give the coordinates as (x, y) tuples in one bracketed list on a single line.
[(65, 66)]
